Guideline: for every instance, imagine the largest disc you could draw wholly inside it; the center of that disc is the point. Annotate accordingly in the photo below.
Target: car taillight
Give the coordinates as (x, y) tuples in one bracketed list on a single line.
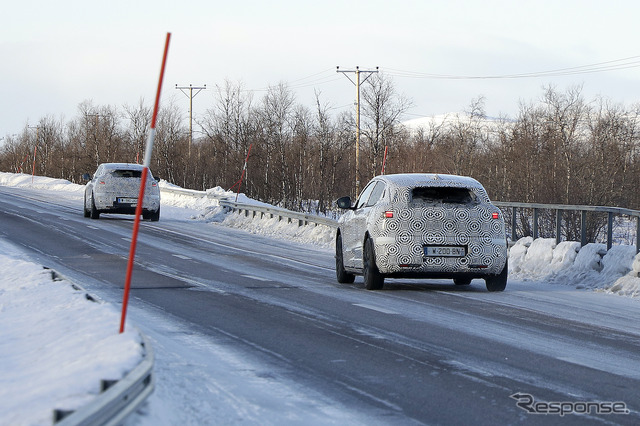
[(388, 214), (101, 182), (495, 215)]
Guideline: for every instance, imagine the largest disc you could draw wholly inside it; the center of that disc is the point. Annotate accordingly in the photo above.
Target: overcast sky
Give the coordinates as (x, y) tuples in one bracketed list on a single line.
[(57, 54)]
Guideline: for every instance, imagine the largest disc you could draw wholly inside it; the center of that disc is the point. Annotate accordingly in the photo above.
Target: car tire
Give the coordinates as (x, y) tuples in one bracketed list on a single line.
[(462, 281), (498, 282), (86, 212), (155, 216), (95, 213), (373, 279), (343, 276)]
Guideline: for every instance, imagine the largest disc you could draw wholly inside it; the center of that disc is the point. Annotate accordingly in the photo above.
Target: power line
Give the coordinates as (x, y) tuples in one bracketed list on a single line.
[(301, 82), (613, 65), (322, 77)]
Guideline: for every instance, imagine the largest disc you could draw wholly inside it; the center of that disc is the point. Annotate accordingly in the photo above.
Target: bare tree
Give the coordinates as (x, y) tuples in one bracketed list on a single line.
[(229, 128), (137, 131), (382, 107), (171, 143), (276, 115)]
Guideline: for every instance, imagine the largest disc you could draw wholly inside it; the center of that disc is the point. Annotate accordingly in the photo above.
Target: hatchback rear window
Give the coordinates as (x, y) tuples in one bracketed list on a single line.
[(432, 194), (127, 173)]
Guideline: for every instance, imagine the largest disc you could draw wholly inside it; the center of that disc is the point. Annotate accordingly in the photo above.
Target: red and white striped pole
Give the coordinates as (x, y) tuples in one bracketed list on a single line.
[(384, 159), (244, 170), (143, 181), (33, 168)]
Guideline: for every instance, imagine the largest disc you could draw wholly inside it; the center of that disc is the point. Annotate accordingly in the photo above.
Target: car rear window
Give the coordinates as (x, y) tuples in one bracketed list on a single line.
[(434, 194), (127, 173)]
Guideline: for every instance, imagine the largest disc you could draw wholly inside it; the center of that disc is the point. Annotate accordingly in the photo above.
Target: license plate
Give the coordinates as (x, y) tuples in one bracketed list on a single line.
[(133, 201), (446, 251)]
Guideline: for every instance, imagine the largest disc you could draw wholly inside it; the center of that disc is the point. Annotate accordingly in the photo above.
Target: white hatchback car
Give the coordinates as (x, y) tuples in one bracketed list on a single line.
[(422, 226), (115, 187)]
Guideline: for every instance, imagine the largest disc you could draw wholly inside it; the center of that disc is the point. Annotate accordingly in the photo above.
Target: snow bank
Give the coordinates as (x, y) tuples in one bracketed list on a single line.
[(320, 235), (629, 284), (207, 209), (592, 266), (21, 180), (56, 346)]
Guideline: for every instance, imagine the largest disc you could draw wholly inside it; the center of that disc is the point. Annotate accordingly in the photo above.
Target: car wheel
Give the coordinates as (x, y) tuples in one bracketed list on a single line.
[(155, 216), (86, 212), (343, 276), (498, 282), (462, 281), (95, 213), (373, 279)]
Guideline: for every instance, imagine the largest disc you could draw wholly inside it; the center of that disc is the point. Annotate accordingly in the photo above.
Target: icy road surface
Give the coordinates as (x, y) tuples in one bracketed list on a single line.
[(248, 329)]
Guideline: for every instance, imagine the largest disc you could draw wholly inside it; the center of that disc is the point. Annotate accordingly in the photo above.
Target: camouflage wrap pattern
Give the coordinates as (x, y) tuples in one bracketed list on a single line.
[(105, 189), (401, 239)]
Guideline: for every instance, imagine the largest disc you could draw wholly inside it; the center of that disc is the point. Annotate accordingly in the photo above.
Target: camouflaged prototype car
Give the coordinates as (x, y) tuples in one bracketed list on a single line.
[(115, 187), (422, 226)]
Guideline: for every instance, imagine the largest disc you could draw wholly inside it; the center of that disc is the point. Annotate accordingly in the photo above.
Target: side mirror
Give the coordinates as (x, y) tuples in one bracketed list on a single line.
[(344, 202), (86, 177)]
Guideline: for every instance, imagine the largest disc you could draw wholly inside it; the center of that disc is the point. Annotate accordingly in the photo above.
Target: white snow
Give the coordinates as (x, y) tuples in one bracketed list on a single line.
[(51, 360), (592, 266)]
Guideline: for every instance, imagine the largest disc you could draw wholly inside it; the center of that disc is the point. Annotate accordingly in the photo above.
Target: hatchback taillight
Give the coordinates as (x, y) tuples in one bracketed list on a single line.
[(388, 214), (495, 215)]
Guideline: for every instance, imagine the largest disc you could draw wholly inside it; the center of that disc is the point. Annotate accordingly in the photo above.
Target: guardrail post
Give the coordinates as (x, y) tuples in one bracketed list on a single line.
[(117, 398), (609, 230), (535, 223), (558, 225), (583, 227), (514, 223)]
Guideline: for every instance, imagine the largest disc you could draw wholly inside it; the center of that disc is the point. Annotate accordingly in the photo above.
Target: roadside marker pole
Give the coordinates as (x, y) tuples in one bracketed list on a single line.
[(384, 159), (244, 169), (33, 168), (143, 181)]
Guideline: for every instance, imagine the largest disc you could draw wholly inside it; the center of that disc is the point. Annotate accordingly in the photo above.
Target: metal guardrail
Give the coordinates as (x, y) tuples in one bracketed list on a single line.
[(118, 398), (182, 191), (301, 218), (559, 208), (304, 219), (255, 209)]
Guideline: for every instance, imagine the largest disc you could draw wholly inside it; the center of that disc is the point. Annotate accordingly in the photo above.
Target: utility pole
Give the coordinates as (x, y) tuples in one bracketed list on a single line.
[(357, 83), (191, 95)]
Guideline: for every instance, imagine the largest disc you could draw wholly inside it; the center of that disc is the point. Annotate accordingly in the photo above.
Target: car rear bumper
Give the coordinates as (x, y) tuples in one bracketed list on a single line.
[(109, 203), (482, 257)]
